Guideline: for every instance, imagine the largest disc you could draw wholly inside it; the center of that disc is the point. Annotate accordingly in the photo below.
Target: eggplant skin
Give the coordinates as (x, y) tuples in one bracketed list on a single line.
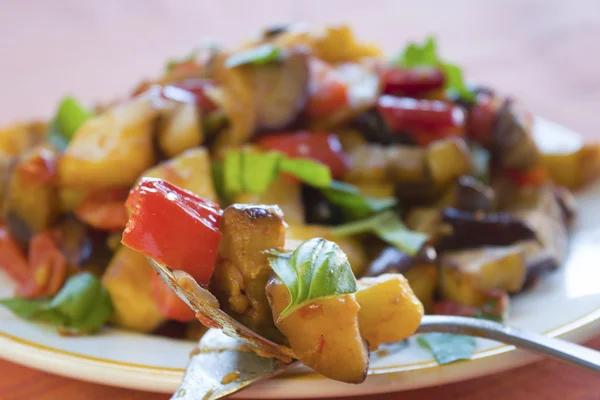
[(472, 195), (479, 229)]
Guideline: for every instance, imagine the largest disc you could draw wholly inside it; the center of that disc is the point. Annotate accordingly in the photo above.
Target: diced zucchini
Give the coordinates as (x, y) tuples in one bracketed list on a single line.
[(112, 149), (389, 310), (180, 130), (284, 192), (127, 279), (191, 170)]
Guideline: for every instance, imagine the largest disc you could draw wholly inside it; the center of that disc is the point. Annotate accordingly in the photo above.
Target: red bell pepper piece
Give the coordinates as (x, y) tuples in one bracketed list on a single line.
[(327, 92), (323, 147), (411, 82), (174, 227), (532, 177), (425, 120), (191, 90), (481, 118), (104, 210)]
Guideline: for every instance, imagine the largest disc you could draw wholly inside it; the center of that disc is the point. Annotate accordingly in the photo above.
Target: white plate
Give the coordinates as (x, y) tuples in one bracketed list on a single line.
[(565, 304)]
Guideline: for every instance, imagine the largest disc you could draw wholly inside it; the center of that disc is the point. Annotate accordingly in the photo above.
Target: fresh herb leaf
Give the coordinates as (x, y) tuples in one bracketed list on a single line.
[(388, 227), (83, 305), (447, 347), (258, 55), (70, 116), (309, 171), (426, 55), (250, 171), (350, 199), (317, 268)]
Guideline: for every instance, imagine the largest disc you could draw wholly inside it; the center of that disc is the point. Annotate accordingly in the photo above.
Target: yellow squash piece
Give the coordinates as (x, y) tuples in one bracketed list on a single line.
[(573, 169), (181, 130), (127, 280), (357, 257), (112, 149), (191, 170), (389, 309), (324, 334)]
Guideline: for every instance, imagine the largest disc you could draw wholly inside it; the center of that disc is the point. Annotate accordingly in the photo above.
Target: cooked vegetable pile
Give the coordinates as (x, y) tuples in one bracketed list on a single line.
[(293, 165)]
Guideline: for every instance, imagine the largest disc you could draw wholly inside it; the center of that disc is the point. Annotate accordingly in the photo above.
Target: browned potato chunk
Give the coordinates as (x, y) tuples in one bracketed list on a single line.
[(31, 203), (190, 170), (407, 164), (573, 168), (324, 334), (447, 160), (243, 269), (357, 257), (17, 138), (181, 130), (127, 280), (284, 192), (423, 280), (112, 149), (389, 310)]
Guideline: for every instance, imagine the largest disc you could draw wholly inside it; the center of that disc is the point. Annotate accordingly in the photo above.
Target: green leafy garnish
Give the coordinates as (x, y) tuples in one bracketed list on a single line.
[(317, 268), (349, 198), (82, 306), (253, 172), (69, 116), (447, 347), (258, 55), (426, 55), (388, 227)]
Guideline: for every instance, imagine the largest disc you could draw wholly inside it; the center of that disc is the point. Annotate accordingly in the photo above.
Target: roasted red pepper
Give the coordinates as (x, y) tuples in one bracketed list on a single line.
[(425, 120), (104, 210), (411, 82), (533, 177), (174, 227), (481, 118), (323, 147)]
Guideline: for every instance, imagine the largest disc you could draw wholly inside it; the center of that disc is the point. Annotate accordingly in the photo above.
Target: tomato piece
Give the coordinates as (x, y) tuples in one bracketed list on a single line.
[(327, 92), (191, 91), (174, 227), (12, 258), (481, 118), (104, 210), (533, 177), (169, 304), (425, 120), (47, 267), (411, 81), (323, 147)]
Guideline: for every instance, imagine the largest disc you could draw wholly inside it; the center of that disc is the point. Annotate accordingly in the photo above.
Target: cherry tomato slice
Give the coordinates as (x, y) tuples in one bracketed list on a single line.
[(425, 120), (104, 210), (174, 227), (411, 82), (327, 92), (323, 147), (169, 304)]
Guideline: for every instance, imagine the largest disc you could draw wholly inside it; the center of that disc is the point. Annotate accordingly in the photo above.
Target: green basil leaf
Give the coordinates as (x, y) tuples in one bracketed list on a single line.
[(350, 199), (388, 227), (258, 55), (446, 347), (99, 311), (232, 174), (259, 170), (35, 310), (76, 296), (317, 268), (308, 171), (426, 55), (70, 116)]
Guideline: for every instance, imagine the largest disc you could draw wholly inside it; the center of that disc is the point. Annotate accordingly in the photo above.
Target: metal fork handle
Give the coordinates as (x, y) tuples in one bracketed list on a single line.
[(550, 347)]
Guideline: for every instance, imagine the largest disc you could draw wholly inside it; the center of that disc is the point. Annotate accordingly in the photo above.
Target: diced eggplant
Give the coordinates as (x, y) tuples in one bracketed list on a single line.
[(242, 269), (480, 229), (472, 195), (284, 192), (31, 204), (367, 163), (389, 310), (512, 141), (180, 130), (350, 139), (273, 31), (424, 219), (375, 130), (566, 201), (324, 333), (319, 210), (407, 164), (76, 244)]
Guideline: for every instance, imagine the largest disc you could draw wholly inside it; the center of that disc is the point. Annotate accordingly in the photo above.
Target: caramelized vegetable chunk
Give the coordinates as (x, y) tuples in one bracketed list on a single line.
[(181, 130), (324, 334)]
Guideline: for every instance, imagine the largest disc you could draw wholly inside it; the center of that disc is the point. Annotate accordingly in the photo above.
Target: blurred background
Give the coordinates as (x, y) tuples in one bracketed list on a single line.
[(546, 52)]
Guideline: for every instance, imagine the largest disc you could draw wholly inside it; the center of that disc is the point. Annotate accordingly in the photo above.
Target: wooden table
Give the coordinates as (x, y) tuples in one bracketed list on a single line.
[(546, 52)]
